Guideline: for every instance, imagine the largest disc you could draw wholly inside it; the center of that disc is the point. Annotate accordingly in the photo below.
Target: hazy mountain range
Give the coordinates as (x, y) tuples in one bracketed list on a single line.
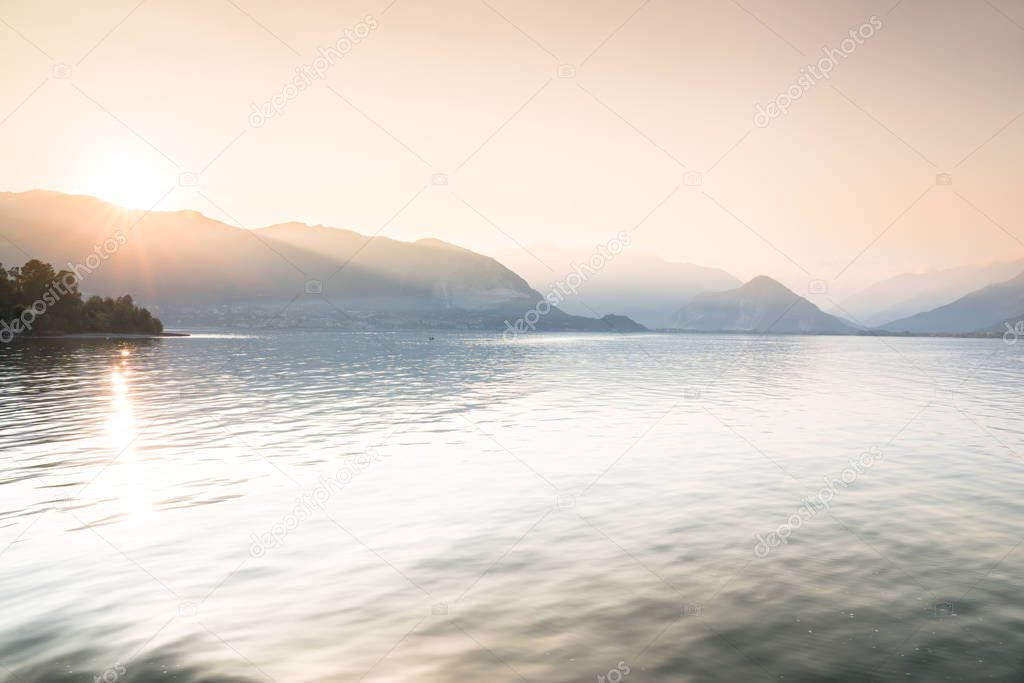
[(983, 310), (192, 269), (185, 257), (906, 295), (761, 305), (645, 287), (184, 262)]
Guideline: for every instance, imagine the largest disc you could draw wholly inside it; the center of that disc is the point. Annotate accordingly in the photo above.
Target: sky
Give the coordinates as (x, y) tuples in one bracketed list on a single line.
[(498, 124)]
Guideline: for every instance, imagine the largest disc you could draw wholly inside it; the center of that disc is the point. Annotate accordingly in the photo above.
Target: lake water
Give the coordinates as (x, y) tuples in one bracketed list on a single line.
[(383, 507)]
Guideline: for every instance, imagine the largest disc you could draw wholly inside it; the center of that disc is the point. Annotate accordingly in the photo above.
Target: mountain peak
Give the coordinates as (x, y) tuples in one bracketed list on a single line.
[(761, 305), (766, 285)]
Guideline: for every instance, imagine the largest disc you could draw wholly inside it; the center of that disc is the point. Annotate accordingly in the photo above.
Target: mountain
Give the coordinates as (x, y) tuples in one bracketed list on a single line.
[(982, 309), (183, 262), (185, 257), (621, 323), (905, 295), (761, 305), (645, 287)]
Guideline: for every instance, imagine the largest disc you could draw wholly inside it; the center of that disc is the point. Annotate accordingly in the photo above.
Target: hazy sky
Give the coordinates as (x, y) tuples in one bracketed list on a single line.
[(655, 113)]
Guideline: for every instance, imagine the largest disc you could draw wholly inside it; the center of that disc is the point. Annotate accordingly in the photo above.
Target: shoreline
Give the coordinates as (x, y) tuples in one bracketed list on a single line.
[(674, 332), (108, 335)]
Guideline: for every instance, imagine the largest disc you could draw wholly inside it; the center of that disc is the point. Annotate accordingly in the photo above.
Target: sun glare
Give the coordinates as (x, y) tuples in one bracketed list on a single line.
[(130, 485), (129, 180)]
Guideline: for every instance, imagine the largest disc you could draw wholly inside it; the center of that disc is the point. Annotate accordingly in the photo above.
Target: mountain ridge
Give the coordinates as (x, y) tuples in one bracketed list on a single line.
[(908, 294), (646, 287), (180, 260), (978, 311), (761, 305), (183, 259)]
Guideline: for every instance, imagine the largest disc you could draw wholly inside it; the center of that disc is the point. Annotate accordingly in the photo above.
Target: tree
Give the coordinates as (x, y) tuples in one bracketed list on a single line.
[(56, 304)]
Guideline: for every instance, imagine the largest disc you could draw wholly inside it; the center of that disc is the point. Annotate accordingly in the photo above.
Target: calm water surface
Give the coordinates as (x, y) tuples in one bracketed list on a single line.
[(381, 507)]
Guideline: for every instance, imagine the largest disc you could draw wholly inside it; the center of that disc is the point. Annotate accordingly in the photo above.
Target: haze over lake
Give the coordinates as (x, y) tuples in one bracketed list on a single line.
[(385, 507)]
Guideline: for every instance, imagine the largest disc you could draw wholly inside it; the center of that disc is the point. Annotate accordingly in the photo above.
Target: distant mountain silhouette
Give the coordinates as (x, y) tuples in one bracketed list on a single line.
[(185, 260), (645, 287), (906, 295), (620, 323), (761, 305), (981, 310)]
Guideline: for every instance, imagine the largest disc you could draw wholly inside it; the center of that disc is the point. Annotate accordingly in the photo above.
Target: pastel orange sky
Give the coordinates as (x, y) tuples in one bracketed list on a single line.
[(556, 122)]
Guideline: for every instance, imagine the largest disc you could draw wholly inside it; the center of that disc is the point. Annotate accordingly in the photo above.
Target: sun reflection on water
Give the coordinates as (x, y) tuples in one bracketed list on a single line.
[(128, 483)]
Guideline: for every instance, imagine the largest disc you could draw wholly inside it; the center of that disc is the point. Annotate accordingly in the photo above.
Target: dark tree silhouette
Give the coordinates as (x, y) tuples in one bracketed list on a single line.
[(36, 299)]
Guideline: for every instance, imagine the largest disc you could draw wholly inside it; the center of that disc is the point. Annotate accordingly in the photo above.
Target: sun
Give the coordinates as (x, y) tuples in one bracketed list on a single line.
[(131, 180)]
